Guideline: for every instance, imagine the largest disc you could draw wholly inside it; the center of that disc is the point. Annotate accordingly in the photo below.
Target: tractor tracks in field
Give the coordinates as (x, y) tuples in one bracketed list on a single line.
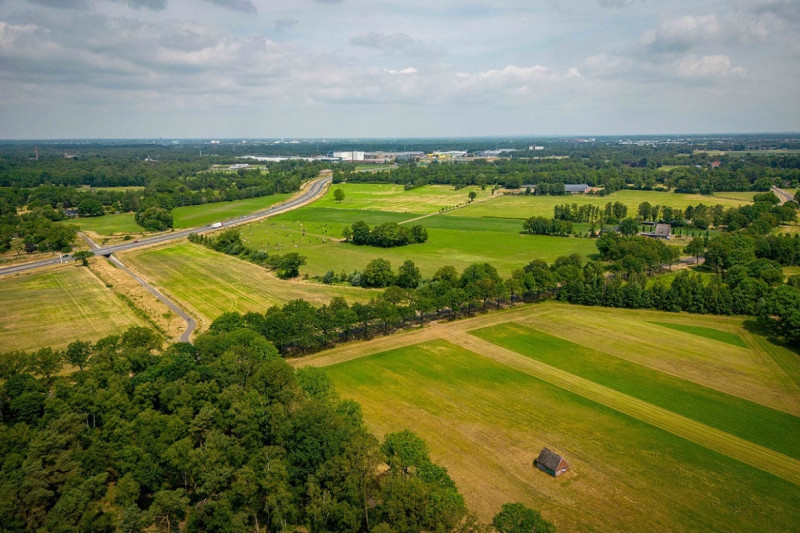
[(457, 333)]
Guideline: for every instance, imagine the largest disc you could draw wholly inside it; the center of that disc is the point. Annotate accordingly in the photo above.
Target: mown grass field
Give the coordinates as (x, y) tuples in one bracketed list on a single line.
[(753, 373), (709, 333), (390, 197), (108, 224), (207, 283), (58, 306), (201, 215), (486, 422), (485, 418), (527, 206), (771, 428), (451, 241)]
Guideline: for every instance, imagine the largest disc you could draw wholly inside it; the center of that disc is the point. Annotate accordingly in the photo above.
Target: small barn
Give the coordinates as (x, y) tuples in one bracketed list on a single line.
[(551, 462)]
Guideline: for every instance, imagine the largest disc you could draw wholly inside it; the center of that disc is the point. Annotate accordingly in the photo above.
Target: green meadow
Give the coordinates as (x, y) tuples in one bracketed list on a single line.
[(108, 224), (184, 217), (486, 422), (709, 333), (451, 241), (394, 198), (771, 428), (522, 206), (203, 214)]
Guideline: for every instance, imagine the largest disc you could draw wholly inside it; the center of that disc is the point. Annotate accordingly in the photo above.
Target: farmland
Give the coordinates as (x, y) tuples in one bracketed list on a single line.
[(457, 241), (527, 206), (56, 307), (487, 230), (451, 241), (394, 198), (649, 432), (207, 283)]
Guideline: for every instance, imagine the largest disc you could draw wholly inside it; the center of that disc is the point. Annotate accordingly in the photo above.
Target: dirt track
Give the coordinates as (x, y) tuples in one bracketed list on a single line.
[(732, 446)]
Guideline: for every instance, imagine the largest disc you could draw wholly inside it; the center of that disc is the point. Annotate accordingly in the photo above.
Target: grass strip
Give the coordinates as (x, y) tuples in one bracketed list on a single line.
[(767, 427), (708, 333)]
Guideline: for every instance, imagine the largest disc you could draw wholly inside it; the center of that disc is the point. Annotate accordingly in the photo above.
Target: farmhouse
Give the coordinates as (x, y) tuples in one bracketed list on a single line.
[(663, 231), (551, 462)]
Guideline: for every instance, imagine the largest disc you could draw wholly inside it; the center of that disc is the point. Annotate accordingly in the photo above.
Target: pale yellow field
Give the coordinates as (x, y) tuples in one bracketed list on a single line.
[(207, 283), (58, 306)]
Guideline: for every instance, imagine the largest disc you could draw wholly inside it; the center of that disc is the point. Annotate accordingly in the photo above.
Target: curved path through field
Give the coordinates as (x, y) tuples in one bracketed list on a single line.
[(457, 333)]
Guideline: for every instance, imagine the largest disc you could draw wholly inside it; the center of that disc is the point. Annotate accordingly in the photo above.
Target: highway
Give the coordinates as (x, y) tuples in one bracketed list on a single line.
[(312, 191)]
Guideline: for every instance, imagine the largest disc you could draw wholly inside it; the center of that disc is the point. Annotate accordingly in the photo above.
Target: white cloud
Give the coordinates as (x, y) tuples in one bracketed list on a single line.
[(406, 71), (680, 34), (707, 67), (395, 43), (504, 62)]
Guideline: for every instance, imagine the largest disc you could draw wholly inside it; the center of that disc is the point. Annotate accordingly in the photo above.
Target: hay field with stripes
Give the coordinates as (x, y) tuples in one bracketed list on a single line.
[(666, 427)]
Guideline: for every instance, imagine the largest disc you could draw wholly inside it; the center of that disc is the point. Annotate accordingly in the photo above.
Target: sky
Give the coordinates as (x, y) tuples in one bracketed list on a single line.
[(410, 68)]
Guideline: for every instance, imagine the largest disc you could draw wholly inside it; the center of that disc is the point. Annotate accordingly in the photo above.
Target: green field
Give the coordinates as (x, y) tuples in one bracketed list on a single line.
[(709, 333), (56, 307), (108, 224), (768, 427), (390, 197), (132, 188), (486, 421), (451, 241), (207, 283), (201, 215), (527, 206)]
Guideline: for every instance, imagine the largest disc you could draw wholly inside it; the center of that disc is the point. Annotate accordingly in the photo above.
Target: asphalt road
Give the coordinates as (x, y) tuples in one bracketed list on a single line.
[(191, 323), (782, 195), (312, 191)]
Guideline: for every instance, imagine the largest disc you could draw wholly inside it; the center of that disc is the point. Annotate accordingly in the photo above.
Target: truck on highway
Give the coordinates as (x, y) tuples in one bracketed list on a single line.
[(216, 225)]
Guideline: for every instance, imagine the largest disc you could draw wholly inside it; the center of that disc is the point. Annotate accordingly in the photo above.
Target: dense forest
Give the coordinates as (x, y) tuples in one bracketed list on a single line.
[(222, 435)]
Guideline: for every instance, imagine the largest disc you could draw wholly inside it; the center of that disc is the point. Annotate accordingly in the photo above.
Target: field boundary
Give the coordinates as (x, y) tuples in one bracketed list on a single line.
[(742, 450)]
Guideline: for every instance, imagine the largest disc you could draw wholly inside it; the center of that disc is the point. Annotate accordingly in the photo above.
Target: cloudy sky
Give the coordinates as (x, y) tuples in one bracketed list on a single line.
[(373, 68)]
